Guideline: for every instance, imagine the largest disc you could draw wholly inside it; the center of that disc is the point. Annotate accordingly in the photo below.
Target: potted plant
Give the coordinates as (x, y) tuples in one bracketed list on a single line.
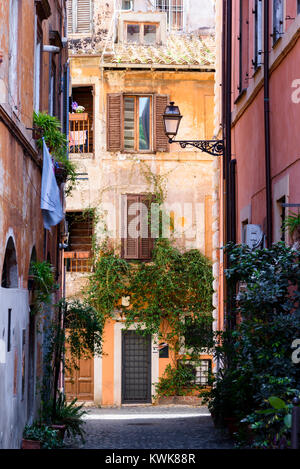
[(292, 224), (39, 436), (78, 112), (61, 172), (56, 141), (69, 416)]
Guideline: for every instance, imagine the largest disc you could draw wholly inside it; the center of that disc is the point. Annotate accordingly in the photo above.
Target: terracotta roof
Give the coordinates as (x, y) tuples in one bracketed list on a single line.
[(183, 49), (179, 50)]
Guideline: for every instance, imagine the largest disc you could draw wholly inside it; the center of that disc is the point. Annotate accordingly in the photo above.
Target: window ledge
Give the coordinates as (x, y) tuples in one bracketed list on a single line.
[(241, 95)]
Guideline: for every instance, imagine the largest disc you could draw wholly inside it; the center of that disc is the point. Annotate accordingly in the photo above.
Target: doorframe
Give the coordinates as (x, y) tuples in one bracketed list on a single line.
[(118, 327)]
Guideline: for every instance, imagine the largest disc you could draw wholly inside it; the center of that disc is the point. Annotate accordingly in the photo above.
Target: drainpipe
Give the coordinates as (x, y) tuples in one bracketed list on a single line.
[(227, 121), (267, 123), (228, 166)]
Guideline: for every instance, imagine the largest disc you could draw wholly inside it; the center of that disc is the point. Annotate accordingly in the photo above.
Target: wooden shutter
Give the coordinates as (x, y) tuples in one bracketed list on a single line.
[(145, 241), (83, 16), (130, 245), (140, 247), (114, 122), (161, 142), (70, 16)]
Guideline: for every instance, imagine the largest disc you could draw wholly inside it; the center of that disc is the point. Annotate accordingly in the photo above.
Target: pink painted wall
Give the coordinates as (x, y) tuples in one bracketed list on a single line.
[(248, 123)]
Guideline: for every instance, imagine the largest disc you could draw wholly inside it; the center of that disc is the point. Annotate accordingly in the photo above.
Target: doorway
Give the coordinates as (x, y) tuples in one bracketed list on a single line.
[(136, 368)]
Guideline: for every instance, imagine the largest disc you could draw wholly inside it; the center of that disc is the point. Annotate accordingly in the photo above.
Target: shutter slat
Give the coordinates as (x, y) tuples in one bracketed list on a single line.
[(114, 122), (161, 140)]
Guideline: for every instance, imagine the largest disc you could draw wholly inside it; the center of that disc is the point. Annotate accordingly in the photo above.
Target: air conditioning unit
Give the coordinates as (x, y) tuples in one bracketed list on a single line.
[(254, 236)]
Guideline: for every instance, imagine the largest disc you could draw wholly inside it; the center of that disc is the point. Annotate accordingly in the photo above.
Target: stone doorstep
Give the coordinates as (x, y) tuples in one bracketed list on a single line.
[(180, 400), (171, 401)]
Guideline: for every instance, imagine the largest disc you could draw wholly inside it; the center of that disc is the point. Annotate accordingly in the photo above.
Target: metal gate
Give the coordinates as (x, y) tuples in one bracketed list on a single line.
[(136, 368)]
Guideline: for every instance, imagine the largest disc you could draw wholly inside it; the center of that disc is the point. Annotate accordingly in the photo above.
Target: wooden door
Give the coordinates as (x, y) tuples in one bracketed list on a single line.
[(80, 382)]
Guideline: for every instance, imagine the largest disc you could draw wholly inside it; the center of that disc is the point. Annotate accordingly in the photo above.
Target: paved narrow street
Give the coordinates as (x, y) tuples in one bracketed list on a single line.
[(159, 427)]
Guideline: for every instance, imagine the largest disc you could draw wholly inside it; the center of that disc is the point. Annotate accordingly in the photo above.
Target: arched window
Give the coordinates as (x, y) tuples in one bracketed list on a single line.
[(10, 266)]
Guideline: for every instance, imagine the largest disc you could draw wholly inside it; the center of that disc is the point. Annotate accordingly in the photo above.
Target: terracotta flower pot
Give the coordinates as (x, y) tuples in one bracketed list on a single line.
[(61, 174), (31, 444), (61, 429), (232, 424)]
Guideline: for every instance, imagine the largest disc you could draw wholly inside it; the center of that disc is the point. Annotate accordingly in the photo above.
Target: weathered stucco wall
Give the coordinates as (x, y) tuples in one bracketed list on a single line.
[(20, 215), (188, 174)]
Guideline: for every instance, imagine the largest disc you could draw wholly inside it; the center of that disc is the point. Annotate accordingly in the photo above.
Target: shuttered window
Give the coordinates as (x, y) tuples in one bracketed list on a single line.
[(135, 123), (136, 232), (79, 16)]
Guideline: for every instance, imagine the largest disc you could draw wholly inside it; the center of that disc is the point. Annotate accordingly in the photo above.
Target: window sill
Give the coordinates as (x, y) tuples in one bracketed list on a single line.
[(275, 43), (240, 96), (137, 152)]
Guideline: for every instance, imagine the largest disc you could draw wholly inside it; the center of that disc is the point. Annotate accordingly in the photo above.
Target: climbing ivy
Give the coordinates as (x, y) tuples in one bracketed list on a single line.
[(168, 298), (174, 285)]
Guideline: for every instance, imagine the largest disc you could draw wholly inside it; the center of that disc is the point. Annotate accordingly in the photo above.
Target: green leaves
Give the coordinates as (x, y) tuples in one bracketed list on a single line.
[(173, 285), (57, 143), (277, 403)]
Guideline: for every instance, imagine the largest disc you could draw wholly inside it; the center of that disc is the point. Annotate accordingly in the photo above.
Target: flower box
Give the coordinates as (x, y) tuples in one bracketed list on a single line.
[(78, 116), (31, 444)]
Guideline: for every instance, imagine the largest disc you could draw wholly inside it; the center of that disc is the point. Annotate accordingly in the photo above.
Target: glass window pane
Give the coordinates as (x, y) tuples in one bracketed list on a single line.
[(129, 123), (144, 123), (126, 4), (133, 33), (149, 34)]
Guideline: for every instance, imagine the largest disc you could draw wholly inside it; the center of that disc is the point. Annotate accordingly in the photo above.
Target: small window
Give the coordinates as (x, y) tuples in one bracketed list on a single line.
[(298, 7), (37, 66), (201, 370), (127, 4), (282, 215), (142, 33), (13, 51), (137, 123), (79, 254), (174, 10), (278, 10), (258, 29), (133, 33)]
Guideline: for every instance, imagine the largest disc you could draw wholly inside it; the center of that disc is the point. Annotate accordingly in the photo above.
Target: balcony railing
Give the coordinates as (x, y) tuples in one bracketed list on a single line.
[(80, 133), (78, 261)]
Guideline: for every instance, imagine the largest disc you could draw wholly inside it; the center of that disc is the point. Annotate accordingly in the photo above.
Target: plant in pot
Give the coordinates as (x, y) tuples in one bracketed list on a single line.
[(38, 436), (68, 417), (292, 224), (78, 325), (56, 141)]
